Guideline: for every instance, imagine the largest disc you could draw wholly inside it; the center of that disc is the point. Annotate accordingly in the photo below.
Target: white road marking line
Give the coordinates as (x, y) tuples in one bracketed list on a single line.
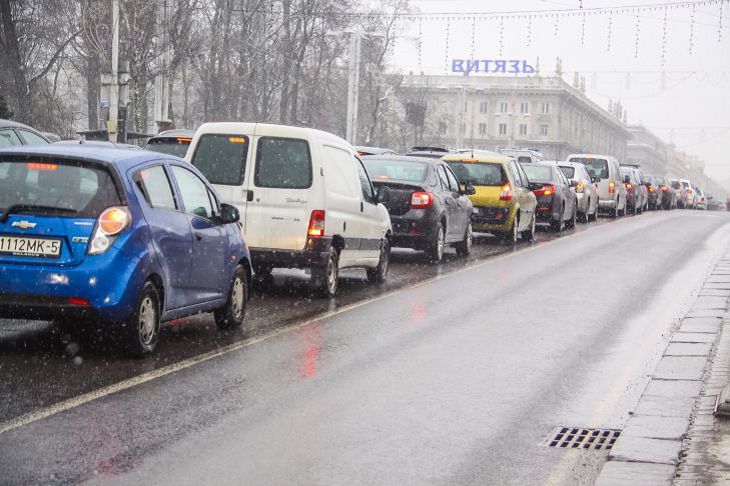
[(75, 402)]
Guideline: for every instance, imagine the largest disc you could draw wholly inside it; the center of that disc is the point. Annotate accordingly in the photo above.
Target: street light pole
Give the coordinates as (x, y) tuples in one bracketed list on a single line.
[(114, 93)]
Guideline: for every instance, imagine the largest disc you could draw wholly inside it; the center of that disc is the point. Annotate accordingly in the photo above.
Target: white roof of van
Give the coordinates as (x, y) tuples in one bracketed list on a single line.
[(252, 128), (589, 156)]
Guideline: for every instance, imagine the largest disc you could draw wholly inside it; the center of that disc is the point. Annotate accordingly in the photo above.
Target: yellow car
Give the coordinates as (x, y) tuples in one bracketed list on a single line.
[(504, 205)]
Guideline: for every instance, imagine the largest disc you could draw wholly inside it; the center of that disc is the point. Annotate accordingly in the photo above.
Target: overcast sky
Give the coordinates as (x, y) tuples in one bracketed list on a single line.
[(692, 109)]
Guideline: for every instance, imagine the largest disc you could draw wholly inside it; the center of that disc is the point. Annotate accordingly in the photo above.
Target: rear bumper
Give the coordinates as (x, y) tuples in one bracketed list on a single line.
[(414, 229), (314, 254), (492, 218), (109, 283)]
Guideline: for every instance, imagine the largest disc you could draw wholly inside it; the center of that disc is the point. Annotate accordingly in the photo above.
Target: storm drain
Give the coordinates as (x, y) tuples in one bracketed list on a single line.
[(576, 438)]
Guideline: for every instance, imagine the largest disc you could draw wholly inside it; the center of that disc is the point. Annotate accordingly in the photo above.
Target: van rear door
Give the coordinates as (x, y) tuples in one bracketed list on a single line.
[(281, 193), (597, 167)]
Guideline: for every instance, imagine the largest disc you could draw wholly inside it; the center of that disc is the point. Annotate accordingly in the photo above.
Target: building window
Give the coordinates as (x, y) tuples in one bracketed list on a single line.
[(442, 128), (482, 129), (545, 109), (503, 107), (543, 130), (523, 129), (503, 129), (483, 106), (524, 107)]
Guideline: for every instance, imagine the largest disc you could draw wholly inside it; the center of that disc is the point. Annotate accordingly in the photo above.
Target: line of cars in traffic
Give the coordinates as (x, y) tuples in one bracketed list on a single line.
[(126, 239)]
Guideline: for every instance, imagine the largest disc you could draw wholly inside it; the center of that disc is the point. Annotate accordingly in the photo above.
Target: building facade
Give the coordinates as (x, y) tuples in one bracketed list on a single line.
[(491, 112), (647, 150)]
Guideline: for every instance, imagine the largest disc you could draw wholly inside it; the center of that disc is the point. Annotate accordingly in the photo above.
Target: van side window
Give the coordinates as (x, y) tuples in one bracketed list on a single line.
[(155, 187), (367, 188), (283, 163), (221, 158)]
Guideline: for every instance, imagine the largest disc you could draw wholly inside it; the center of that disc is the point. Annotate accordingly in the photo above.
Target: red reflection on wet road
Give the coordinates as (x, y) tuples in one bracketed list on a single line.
[(309, 363)]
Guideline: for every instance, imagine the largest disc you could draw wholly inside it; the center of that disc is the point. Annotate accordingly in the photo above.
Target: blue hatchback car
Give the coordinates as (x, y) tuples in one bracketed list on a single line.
[(123, 238)]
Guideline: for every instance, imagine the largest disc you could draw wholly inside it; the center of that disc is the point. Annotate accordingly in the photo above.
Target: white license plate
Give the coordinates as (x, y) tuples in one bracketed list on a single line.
[(21, 246)]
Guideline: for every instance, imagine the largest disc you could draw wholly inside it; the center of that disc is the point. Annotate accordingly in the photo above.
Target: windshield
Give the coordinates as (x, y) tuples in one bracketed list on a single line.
[(479, 174), (568, 171), (676, 185), (171, 146), (80, 189), (596, 167), (222, 158), (384, 169), (538, 173)]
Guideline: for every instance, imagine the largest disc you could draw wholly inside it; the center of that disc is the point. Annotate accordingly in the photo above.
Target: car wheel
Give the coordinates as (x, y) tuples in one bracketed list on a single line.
[(377, 274), (529, 234), (510, 237), (142, 329), (325, 278), (435, 250), (232, 313), (263, 278), (557, 226), (463, 248)]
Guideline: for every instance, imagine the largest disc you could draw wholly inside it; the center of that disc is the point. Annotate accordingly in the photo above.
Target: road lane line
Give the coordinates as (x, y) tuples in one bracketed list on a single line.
[(77, 401)]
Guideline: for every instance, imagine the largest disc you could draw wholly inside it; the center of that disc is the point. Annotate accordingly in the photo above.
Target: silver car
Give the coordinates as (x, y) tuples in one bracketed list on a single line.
[(607, 172), (586, 189), (690, 198), (637, 195)]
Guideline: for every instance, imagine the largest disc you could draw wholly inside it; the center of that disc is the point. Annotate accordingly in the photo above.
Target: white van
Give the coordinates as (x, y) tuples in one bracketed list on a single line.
[(523, 155), (305, 199), (606, 172)]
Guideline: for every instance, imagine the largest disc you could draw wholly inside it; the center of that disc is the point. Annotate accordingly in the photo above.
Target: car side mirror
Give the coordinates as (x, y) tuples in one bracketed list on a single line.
[(595, 180), (469, 190), (627, 179), (229, 214), (382, 194)]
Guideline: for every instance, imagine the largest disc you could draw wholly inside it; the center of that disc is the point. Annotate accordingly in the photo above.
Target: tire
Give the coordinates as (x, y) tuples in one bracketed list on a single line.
[(573, 218), (377, 274), (325, 279), (510, 236), (557, 226), (142, 330), (463, 248), (232, 313), (263, 278), (435, 250), (529, 234)]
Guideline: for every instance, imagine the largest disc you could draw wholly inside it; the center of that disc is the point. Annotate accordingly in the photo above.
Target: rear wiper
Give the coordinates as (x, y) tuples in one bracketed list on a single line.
[(17, 208)]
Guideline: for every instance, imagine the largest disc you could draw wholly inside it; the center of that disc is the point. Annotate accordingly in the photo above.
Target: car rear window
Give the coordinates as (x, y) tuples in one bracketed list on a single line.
[(479, 174), (402, 170), (676, 185), (221, 158), (568, 171), (596, 167), (283, 163), (58, 187), (169, 145), (685, 184), (538, 173)]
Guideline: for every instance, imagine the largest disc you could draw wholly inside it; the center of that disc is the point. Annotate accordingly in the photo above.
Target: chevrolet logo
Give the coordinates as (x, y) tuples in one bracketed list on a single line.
[(23, 225)]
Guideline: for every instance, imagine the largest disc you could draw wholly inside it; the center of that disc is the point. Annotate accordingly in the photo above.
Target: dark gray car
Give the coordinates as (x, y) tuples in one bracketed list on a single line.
[(557, 204), (14, 134)]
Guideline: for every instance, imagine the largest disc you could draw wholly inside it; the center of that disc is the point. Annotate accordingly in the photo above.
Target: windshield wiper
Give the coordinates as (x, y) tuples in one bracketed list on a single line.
[(18, 208)]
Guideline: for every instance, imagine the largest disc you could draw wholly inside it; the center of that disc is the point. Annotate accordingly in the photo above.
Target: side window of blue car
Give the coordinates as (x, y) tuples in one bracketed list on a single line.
[(194, 193), (155, 187)]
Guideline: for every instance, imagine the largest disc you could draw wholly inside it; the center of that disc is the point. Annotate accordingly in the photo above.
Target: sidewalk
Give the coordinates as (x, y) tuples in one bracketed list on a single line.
[(672, 436)]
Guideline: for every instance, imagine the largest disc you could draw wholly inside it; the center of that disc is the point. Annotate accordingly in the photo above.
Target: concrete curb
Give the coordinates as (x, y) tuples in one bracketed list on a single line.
[(652, 448)]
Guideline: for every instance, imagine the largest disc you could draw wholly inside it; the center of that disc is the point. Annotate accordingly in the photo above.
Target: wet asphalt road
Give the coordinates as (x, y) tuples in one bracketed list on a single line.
[(456, 379)]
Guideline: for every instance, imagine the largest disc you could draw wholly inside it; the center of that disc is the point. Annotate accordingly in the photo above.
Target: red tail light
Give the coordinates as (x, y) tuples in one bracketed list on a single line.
[(651, 189), (611, 187), (628, 185), (506, 193), (316, 224), (580, 187), (664, 189), (546, 190), (421, 200)]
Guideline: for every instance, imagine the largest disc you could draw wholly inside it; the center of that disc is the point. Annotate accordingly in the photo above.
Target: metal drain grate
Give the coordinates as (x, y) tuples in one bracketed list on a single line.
[(577, 438)]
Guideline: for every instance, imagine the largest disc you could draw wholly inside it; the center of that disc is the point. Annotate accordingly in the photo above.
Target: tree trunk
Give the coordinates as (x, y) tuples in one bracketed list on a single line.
[(20, 88), (93, 89)]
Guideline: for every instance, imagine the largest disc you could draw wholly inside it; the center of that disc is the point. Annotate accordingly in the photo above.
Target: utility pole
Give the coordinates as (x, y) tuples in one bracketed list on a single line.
[(353, 85), (114, 92), (162, 95)]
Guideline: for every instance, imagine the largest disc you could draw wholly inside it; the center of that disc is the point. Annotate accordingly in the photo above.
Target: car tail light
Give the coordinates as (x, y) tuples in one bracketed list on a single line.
[(316, 224), (79, 302), (545, 190), (664, 189), (689, 191), (611, 187), (628, 185), (580, 187), (112, 222), (505, 194), (421, 200), (651, 189)]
